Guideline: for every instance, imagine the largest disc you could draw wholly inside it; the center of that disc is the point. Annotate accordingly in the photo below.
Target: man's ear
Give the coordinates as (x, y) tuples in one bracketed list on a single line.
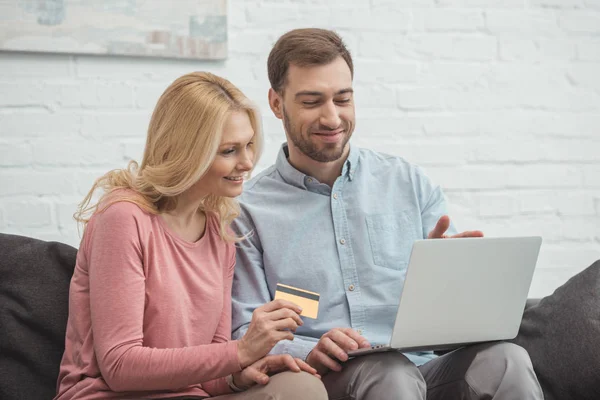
[(276, 103)]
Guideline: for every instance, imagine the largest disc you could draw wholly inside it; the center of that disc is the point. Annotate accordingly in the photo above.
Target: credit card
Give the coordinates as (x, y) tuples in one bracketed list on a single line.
[(309, 301)]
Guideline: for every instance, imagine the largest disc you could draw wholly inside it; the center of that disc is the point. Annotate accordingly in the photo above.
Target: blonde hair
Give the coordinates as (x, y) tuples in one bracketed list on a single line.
[(183, 137)]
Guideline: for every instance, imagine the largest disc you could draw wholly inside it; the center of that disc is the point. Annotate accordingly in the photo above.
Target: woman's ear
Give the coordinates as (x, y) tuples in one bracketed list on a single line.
[(276, 103)]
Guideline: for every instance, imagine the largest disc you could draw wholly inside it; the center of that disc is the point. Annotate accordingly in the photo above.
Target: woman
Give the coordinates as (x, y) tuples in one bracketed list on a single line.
[(150, 303)]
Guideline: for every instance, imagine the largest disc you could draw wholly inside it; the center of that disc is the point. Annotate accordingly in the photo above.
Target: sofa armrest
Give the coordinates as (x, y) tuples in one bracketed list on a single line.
[(34, 308), (532, 302)]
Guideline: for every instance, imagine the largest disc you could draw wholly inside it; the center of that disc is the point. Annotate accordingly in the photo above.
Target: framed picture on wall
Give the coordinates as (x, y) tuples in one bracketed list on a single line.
[(195, 29)]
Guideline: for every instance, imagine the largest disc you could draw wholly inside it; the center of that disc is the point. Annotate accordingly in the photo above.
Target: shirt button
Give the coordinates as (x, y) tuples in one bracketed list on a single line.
[(351, 288), (335, 196), (343, 241), (309, 180)]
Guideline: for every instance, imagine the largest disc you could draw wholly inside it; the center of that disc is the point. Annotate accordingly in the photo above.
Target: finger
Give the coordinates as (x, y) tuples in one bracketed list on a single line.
[(290, 363), (284, 335), (283, 313), (342, 340), (287, 323), (468, 234), (280, 362), (325, 360), (260, 378), (442, 226), (356, 337), (254, 374), (330, 347), (280, 303), (305, 367)]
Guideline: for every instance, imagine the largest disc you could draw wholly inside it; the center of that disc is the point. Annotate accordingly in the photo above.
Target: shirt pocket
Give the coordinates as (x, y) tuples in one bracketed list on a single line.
[(391, 236)]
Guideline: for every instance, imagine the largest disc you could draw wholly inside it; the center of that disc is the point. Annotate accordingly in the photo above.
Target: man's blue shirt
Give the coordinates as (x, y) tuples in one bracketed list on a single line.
[(350, 243)]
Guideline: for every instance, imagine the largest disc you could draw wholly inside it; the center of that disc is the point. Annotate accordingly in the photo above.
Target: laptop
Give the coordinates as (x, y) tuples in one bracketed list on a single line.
[(462, 291)]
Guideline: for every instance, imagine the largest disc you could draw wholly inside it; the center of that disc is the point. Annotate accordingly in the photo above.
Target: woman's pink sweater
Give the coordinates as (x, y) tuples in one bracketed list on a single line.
[(149, 313)]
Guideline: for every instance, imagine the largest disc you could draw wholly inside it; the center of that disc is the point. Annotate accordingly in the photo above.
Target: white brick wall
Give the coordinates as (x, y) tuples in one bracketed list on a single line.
[(499, 100)]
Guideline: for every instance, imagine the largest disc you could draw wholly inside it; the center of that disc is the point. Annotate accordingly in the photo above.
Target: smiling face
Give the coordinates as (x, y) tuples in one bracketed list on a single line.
[(317, 109), (235, 157)]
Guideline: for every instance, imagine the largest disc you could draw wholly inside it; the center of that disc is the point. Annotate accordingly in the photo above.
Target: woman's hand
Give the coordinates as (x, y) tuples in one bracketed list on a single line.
[(258, 373), (272, 322)]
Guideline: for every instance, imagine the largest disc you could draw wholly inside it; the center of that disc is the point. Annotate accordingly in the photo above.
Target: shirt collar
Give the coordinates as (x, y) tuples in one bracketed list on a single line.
[(351, 163), (294, 177)]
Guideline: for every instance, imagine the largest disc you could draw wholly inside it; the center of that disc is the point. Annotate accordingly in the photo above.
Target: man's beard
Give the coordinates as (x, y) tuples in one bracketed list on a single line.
[(310, 149)]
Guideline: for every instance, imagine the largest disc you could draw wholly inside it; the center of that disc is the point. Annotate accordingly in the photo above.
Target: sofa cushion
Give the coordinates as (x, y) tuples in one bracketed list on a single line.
[(562, 335), (34, 293)]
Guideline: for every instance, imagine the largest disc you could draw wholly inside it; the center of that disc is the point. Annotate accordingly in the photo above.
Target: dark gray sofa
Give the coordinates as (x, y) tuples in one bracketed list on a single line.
[(561, 332), (34, 293)]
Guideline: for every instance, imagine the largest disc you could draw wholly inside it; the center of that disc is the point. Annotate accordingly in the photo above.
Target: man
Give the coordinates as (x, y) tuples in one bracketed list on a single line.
[(340, 221)]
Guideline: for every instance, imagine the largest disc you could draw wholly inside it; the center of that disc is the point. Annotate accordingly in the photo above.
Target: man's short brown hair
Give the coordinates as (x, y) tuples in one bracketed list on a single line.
[(304, 47)]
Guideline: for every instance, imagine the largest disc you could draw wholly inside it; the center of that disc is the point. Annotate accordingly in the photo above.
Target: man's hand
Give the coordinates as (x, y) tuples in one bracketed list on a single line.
[(335, 345), (259, 371), (442, 226), (272, 322)]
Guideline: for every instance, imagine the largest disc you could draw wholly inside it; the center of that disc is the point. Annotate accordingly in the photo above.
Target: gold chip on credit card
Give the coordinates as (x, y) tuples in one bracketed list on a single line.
[(309, 301)]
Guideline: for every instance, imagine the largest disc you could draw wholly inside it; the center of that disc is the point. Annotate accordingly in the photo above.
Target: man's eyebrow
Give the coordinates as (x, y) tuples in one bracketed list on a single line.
[(308, 93), (344, 91), (316, 93)]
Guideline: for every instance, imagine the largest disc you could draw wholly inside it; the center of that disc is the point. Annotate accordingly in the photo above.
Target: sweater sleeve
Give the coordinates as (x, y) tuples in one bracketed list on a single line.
[(117, 298), (219, 386)]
